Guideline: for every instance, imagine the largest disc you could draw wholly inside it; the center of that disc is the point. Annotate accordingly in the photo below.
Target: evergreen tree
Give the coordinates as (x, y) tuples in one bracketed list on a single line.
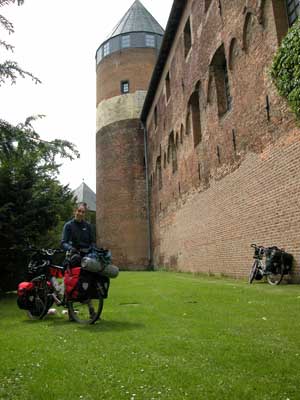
[(33, 204), (32, 201), (10, 69)]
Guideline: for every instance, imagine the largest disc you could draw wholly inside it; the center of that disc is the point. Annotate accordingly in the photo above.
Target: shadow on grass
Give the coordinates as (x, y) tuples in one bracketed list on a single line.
[(109, 325), (99, 326)]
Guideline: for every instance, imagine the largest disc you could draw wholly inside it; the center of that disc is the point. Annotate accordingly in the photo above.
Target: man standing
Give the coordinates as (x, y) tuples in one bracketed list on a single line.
[(78, 235)]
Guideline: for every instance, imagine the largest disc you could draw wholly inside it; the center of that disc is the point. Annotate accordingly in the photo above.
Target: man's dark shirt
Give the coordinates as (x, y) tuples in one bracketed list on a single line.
[(78, 235)]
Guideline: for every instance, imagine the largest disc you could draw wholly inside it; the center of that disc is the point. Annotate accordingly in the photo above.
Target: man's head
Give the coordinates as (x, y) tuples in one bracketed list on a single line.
[(79, 212)]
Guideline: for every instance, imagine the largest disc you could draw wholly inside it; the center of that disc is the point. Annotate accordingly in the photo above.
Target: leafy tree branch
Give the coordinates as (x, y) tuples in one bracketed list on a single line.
[(285, 70)]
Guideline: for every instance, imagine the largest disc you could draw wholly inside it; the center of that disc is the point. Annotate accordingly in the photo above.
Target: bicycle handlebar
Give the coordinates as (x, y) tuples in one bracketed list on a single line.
[(48, 252)]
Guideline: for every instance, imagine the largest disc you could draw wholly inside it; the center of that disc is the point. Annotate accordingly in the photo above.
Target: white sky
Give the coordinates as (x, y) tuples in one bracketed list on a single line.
[(56, 40)]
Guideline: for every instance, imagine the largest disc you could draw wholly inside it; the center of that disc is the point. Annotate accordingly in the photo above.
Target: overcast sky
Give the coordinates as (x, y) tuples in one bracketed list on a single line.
[(56, 40)]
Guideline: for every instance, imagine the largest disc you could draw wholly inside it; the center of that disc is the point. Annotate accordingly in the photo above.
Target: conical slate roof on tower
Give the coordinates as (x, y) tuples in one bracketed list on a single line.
[(137, 19), (137, 29)]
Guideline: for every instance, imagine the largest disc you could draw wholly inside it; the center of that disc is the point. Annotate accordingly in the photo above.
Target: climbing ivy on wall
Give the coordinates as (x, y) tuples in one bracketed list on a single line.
[(285, 70)]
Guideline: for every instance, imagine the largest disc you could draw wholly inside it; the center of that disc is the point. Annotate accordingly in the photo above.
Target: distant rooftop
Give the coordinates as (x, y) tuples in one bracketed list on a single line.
[(85, 194), (137, 19)]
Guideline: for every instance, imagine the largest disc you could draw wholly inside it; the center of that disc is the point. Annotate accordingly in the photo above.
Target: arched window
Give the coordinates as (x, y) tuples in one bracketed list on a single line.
[(188, 125), (159, 172), (234, 53), (168, 86), (181, 133), (249, 30), (194, 107), (187, 35), (173, 152), (219, 70)]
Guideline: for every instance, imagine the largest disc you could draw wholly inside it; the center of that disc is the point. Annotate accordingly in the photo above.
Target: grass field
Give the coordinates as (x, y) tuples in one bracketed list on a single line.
[(162, 336)]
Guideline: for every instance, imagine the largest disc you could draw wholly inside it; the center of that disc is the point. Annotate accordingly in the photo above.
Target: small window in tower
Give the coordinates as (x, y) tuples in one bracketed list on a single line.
[(293, 10), (124, 87), (168, 87), (106, 49), (187, 37), (125, 41), (150, 40)]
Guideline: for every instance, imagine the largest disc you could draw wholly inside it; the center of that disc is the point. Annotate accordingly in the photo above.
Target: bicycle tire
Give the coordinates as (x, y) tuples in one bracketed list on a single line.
[(87, 311), (41, 302), (274, 278), (253, 271)]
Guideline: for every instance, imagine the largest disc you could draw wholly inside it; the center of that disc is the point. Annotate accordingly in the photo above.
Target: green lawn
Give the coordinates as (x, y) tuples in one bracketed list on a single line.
[(162, 336)]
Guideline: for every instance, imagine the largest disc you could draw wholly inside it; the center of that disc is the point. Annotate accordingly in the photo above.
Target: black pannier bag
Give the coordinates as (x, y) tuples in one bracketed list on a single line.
[(275, 258)]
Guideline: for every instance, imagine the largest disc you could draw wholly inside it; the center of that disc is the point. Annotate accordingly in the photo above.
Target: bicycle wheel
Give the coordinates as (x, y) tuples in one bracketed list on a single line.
[(274, 278), (40, 302), (253, 271), (87, 311)]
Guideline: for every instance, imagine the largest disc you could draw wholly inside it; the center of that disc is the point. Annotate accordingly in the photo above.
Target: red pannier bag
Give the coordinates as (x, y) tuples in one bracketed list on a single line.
[(71, 279), (24, 292)]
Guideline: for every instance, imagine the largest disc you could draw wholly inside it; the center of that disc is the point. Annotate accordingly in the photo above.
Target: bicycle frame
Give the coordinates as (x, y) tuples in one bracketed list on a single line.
[(39, 292)]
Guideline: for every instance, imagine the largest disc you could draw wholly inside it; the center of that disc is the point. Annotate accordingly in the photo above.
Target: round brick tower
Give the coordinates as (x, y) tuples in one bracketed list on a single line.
[(125, 62)]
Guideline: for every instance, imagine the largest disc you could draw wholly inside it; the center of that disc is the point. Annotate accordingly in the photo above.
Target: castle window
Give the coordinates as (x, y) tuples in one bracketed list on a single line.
[(168, 86), (194, 107), (159, 172), (227, 87), (124, 87), (125, 41), (219, 70), (187, 35), (150, 40), (293, 10), (155, 117), (106, 49), (181, 133), (173, 152)]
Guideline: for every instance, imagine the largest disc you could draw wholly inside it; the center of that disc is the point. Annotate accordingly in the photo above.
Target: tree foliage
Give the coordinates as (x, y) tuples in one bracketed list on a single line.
[(32, 201), (285, 69), (10, 70)]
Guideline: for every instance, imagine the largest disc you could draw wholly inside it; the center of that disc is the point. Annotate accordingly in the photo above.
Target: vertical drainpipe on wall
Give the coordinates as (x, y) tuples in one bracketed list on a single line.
[(150, 255)]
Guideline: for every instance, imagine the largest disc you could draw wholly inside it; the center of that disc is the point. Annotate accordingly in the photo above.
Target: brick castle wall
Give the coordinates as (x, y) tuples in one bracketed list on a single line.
[(238, 184)]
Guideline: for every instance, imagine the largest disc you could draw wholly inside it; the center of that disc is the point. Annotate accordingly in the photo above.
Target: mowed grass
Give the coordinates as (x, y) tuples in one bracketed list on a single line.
[(162, 336)]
